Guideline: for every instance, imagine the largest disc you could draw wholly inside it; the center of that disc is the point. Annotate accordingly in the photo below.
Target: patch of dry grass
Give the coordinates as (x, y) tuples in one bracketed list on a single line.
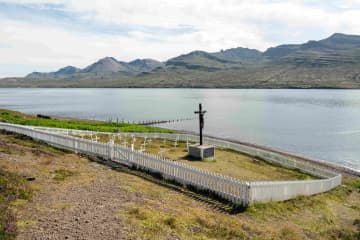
[(152, 223), (164, 214)]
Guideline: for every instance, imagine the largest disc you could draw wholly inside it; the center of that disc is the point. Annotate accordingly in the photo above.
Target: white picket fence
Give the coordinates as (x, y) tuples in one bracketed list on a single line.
[(314, 167), (236, 191)]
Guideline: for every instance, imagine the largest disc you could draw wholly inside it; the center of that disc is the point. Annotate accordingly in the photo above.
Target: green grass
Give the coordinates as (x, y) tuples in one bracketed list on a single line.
[(24, 119), (357, 184), (12, 189), (62, 174)]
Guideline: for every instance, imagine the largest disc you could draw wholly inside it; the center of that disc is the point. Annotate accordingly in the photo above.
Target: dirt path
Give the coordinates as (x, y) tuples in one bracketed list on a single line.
[(81, 201), (81, 212)]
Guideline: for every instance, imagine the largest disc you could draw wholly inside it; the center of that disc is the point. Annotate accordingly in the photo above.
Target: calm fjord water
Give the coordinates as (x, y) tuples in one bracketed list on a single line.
[(324, 124)]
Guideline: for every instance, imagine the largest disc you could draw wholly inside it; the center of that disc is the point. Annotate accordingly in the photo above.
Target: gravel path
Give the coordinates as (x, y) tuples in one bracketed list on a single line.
[(84, 205), (86, 212)]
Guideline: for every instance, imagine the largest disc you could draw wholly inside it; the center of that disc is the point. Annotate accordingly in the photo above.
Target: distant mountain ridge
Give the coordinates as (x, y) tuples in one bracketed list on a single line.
[(105, 65), (336, 49), (332, 62), (337, 41)]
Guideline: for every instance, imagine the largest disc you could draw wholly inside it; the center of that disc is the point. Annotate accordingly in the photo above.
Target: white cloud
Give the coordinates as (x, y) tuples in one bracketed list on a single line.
[(351, 4), (217, 24), (229, 13)]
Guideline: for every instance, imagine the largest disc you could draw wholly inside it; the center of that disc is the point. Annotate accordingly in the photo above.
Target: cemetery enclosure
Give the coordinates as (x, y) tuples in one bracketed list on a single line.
[(239, 192)]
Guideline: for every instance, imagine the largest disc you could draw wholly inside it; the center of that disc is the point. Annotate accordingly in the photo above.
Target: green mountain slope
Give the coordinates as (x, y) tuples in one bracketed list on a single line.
[(203, 61), (145, 65)]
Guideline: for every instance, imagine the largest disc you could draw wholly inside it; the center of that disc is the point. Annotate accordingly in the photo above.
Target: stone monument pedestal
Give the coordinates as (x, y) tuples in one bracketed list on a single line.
[(202, 152)]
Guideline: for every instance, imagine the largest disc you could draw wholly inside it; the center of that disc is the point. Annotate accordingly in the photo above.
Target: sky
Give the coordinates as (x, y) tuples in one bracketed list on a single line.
[(45, 35)]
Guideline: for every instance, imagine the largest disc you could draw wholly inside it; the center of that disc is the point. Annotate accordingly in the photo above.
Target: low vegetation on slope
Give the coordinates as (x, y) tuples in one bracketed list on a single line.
[(13, 188), (25, 119), (75, 198)]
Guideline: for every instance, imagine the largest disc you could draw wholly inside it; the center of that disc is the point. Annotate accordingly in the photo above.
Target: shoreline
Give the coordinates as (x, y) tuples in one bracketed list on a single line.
[(162, 87)]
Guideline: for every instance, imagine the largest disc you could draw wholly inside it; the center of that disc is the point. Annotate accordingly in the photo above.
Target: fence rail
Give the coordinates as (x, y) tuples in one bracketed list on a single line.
[(236, 191)]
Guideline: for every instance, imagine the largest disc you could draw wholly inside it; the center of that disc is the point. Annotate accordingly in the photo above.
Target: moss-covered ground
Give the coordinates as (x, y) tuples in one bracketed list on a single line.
[(14, 117)]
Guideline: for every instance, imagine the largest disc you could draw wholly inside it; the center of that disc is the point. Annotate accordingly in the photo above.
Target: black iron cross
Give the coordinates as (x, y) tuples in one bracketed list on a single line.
[(201, 122)]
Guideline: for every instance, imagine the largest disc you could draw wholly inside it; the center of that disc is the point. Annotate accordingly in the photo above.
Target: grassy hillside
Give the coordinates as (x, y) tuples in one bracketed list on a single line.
[(76, 198), (25, 119)]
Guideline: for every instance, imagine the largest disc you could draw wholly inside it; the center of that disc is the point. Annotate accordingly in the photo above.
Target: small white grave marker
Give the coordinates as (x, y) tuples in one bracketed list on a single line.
[(142, 149), (161, 152), (143, 146)]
